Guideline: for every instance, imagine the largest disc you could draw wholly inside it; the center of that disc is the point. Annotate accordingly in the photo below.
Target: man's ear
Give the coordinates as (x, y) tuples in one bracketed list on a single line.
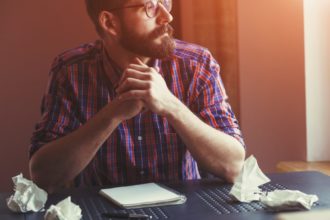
[(109, 23)]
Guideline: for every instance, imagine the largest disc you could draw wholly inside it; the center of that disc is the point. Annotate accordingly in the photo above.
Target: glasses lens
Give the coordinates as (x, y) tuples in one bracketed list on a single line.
[(151, 8), (167, 4)]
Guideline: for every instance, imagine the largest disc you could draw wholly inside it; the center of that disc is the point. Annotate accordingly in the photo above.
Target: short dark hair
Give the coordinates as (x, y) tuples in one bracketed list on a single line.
[(95, 7)]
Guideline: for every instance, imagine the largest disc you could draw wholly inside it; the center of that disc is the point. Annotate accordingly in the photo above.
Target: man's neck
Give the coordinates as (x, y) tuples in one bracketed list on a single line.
[(122, 57)]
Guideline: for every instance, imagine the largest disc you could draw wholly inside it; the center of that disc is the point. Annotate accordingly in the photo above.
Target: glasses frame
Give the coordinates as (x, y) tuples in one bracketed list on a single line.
[(145, 5)]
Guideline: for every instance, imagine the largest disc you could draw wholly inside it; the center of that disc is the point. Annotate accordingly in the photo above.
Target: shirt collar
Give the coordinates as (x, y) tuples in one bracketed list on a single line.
[(112, 70)]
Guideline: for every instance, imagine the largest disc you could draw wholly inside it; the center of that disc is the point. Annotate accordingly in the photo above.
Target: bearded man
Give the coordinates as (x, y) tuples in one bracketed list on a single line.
[(135, 106)]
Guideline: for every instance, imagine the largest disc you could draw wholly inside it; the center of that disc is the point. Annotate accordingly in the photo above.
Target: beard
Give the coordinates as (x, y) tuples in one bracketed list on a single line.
[(144, 45)]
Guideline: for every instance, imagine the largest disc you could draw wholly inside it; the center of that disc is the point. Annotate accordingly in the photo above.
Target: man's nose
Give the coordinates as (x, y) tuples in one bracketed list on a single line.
[(164, 16)]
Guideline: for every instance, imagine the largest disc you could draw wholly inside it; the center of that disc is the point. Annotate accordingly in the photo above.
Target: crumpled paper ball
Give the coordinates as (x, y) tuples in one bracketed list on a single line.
[(64, 210), (246, 186), (27, 197), (288, 198)]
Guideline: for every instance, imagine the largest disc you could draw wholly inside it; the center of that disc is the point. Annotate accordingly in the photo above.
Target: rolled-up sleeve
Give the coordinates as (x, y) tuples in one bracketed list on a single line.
[(209, 98)]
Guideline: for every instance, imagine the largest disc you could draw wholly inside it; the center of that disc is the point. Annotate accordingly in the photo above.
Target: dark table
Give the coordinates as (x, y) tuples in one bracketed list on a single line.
[(206, 199)]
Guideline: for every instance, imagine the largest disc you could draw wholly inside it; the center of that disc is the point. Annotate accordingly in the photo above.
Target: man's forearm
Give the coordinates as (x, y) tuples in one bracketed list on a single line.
[(60, 161), (217, 152)]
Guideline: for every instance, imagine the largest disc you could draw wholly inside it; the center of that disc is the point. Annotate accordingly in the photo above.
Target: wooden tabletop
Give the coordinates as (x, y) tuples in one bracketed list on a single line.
[(292, 166)]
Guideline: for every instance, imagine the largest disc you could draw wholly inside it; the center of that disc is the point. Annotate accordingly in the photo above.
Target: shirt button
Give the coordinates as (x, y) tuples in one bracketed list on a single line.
[(140, 138), (142, 172)]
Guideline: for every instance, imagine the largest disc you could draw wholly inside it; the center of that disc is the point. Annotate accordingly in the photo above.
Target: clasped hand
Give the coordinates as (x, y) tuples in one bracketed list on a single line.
[(140, 82)]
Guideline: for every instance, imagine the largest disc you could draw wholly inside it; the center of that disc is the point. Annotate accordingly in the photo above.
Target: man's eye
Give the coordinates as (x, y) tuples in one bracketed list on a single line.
[(150, 7)]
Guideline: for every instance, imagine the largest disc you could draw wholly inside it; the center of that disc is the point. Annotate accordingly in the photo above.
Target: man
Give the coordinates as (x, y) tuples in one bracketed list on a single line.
[(136, 106)]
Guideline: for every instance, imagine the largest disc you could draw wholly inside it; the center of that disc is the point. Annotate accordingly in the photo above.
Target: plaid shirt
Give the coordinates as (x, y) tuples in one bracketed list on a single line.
[(146, 147)]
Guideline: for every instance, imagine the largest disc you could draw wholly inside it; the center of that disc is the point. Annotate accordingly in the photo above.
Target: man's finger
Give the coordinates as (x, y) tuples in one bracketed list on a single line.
[(139, 67), (139, 61), (133, 73), (133, 95), (132, 84)]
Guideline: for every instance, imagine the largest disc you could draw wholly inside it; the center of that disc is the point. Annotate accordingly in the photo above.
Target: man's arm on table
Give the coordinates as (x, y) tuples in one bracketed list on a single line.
[(216, 151), (60, 161)]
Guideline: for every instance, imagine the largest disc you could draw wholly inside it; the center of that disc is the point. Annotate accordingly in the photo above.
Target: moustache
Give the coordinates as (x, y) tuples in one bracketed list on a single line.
[(162, 30)]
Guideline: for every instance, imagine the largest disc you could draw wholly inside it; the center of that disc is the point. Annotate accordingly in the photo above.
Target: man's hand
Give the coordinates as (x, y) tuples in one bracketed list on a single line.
[(127, 109), (141, 82)]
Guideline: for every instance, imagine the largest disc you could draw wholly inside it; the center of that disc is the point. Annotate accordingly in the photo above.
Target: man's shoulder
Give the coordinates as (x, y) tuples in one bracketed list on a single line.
[(185, 50), (84, 52)]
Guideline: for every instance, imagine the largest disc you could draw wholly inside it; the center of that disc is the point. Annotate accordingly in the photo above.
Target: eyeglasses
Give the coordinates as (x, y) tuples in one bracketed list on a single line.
[(151, 7)]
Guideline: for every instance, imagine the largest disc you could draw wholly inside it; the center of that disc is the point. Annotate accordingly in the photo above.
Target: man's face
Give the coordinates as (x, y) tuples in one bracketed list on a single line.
[(149, 37)]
